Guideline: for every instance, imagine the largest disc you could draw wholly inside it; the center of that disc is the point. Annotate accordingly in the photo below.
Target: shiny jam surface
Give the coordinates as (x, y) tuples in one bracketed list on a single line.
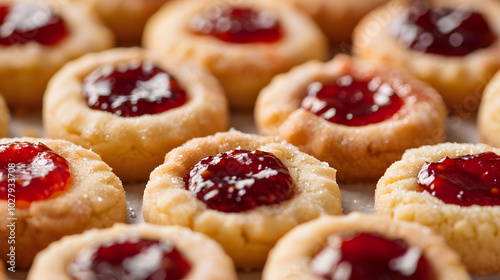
[(369, 256), (31, 172), (238, 25), (465, 181), (133, 89), (443, 31), (351, 102), (138, 259), (23, 22), (240, 180)]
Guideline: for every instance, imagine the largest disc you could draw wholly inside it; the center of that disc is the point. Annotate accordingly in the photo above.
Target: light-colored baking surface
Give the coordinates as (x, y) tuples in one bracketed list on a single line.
[(354, 197)]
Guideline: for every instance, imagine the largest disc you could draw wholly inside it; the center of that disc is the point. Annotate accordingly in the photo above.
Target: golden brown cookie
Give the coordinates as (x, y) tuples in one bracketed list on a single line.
[(39, 38), (337, 18), (192, 254), (244, 60), (325, 247), (488, 118), (455, 206), (126, 18), (457, 60), (245, 191), (52, 188), (357, 117), (163, 103)]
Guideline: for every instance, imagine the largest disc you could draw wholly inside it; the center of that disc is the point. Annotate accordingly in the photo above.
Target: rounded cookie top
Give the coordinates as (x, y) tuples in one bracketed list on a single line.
[(246, 234), (92, 197), (132, 107), (321, 248), (145, 246), (469, 229), (356, 116), (455, 57), (282, 38)]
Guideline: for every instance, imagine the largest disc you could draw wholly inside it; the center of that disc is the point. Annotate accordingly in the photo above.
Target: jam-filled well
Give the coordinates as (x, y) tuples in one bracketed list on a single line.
[(134, 258), (133, 89), (31, 172), (352, 102), (369, 256), (28, 21), (443, 31), (240, 180), (238, 25), (466, 180)]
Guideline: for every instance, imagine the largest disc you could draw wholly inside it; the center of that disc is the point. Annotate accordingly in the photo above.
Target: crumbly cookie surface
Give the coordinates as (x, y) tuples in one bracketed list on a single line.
[(360, 153), (246, 236), (207, 258), (133, 146), (472, 231), (242, 69), (459, 79), (25, 69), (94, 199), (291, 257), (330, 14)]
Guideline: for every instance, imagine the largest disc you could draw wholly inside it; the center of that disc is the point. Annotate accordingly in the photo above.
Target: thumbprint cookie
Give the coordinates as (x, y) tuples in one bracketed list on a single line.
[(132, 107), (361, 246), (141, 251), (453, 189), (245, 191), (49, 189), (37, 38), (244, 43), (337, 18), (357, 117), (452, 45)]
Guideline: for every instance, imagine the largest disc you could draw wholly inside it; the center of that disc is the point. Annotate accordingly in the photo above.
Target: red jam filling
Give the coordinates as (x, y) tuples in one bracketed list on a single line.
[(444, 31), (31, 172), (23, 22), (238, 25), (132, 259), (366, 256), (351, 102), (240, 180), (464, 181), (132, 90)]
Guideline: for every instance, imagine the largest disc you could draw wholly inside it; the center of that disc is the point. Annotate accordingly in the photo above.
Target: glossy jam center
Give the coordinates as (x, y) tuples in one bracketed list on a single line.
[(443, 31), (352, 102), (466, 180), (23, 22), (132, 259), (238, 25), (366, 256), (133, 89), (240, 180), (31, 172)]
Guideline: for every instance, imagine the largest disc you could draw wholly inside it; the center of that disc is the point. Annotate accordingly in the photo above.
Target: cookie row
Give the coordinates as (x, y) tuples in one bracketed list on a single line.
[(190, 189), (246, 192), (326, 248), (246, 44)]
